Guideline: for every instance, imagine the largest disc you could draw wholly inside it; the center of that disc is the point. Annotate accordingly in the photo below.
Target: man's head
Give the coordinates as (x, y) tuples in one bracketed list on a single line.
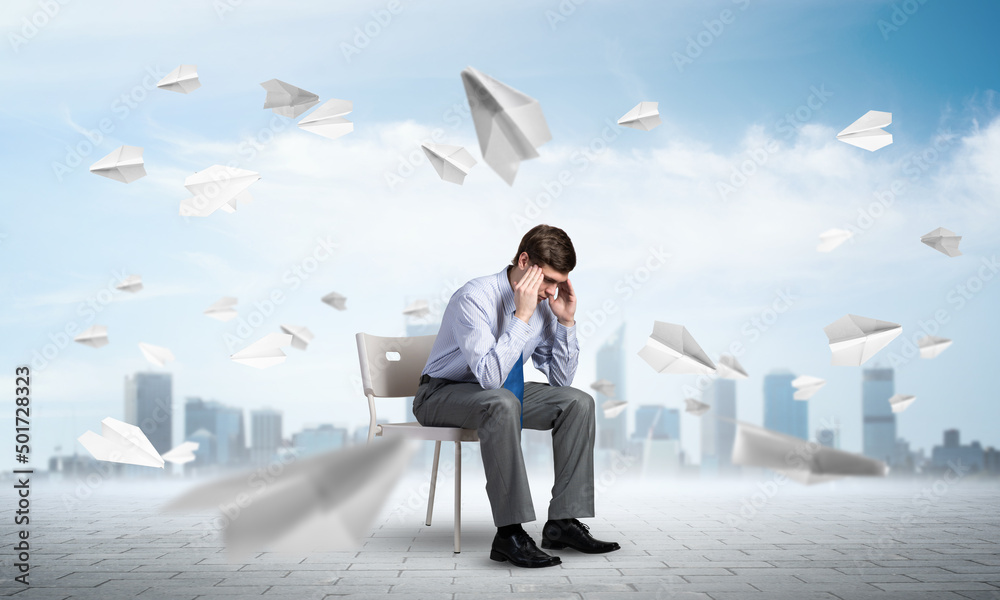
[(550, 249)]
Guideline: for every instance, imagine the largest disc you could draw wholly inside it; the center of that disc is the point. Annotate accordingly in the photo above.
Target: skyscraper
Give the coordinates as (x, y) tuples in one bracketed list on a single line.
[(879, 426), (265, 434), (149, 405), (782, 412), (611, 433), (657, 422), (718, 436), (224, 422)]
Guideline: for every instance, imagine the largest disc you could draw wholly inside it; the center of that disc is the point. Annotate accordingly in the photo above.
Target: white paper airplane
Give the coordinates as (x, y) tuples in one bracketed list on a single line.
[(287, 100), (509, 124), (328, 120), (800, 460), (944, 241), (671, 349), (300, 336), (265, 352), (95, 336), (832, 238), (215, 187), (223, 309), (418, 309), (121, 443), (336, 300), (806, 386), (854, 339), (613, 408), (901, 402), (183, 453), (124, 164), (604, 386), (157, 355), (452, 163), (183, 79), (867, 131), (730, 368), (931, 346), (132, 283), (644, 117), (323, 503), (695, 407)]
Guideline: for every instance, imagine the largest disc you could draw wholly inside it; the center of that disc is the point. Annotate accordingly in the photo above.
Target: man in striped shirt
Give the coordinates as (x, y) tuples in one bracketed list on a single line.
[(474, 379)]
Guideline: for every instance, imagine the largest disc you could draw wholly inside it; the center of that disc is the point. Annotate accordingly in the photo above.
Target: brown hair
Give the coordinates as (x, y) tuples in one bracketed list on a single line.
[(548, 246)]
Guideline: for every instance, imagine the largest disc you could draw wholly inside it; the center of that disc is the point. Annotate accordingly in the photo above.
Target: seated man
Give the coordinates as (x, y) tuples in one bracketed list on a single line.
[(474, 379)]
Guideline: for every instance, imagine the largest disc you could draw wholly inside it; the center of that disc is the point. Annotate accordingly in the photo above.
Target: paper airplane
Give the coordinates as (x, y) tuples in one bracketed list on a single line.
[(802, 461), (328, 120), (157, 355), (613, 408), (671, 349), (231, 206), (832, 238), (183, 79), (300, 336), (944, 241), (323, 503), (901, 402), (215, 187), (730, 368), (509, 124), (452, 163), (95, 336), (265, 352), (806, 386), (418, 309), (287, 100), (854, 339), (604, 386), (121, 443), (867, 132), (123, 164), (223, 309), (644, 117), (695, 407), (931, 346), (336, 300), (183, 453), (132, 283)]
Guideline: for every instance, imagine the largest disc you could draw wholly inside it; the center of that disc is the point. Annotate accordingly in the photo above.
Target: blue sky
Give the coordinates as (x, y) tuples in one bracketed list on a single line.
[(68, 232)]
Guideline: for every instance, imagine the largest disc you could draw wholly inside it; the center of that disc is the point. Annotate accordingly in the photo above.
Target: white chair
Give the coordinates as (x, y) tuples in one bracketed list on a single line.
[(390, 368)]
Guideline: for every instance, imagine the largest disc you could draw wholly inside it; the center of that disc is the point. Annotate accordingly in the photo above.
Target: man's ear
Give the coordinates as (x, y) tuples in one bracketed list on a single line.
[(522, 260)]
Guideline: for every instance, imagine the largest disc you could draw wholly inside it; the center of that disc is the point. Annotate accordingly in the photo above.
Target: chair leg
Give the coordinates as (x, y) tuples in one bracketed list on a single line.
[(434, 477), (458, 497)]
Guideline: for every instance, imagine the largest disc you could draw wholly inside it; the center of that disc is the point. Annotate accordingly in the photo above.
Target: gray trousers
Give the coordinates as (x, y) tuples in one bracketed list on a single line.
[(496, 416)]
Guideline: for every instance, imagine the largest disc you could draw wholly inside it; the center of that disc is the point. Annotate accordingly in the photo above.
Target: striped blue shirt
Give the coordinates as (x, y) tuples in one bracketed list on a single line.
[(480, 338)]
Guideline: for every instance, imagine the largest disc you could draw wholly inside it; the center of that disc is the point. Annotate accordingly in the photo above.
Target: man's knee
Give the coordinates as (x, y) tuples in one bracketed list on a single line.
[(579, 399), (503, 405)]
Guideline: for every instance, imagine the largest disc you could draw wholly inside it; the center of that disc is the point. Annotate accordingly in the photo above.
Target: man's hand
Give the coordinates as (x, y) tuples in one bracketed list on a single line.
[(526, 293), (564, 304)]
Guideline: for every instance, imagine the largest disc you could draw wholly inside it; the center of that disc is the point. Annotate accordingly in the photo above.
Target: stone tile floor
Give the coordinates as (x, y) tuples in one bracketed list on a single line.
[(751, 538)]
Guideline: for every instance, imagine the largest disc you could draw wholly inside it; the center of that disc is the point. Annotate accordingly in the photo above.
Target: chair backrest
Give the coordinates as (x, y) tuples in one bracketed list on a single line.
[(391, 366)]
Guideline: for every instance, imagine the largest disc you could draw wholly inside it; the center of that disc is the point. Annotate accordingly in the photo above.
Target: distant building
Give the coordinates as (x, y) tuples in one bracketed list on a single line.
[(782, 412), (612, 433), (315, 440), (717, 435), (657, 422), (991, 460), (952, 452), (829, 437), (149, 405), (223, 422), (879, 424), (265, 431), (204, 456)]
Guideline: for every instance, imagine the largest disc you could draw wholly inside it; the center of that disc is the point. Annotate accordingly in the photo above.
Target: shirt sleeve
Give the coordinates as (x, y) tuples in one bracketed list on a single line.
[(490, 359), (558, 354)]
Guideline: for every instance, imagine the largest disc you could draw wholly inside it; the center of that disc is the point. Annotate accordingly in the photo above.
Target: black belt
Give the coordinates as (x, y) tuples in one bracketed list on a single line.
[(424, 378)]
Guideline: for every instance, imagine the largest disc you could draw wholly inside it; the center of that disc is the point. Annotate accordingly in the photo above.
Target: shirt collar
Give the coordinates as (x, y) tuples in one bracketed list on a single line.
[(506, 292)]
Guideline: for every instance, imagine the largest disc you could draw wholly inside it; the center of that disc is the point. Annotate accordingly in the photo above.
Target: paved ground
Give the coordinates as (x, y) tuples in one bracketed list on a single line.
[(680, 539)]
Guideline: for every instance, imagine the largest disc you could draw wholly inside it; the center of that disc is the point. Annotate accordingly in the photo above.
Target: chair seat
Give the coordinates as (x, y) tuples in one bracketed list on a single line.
[(419, 432)]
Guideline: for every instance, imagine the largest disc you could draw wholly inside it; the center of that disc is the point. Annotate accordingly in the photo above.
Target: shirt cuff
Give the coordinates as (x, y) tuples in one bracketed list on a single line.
[(565, 334), (519, 330)]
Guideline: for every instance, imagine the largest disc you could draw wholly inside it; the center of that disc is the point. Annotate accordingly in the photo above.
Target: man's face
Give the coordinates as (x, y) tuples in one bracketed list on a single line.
[(550, 282)]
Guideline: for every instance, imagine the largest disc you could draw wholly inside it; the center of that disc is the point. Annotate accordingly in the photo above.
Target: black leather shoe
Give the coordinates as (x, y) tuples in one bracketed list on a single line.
[(571, 533), (521, 551)]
